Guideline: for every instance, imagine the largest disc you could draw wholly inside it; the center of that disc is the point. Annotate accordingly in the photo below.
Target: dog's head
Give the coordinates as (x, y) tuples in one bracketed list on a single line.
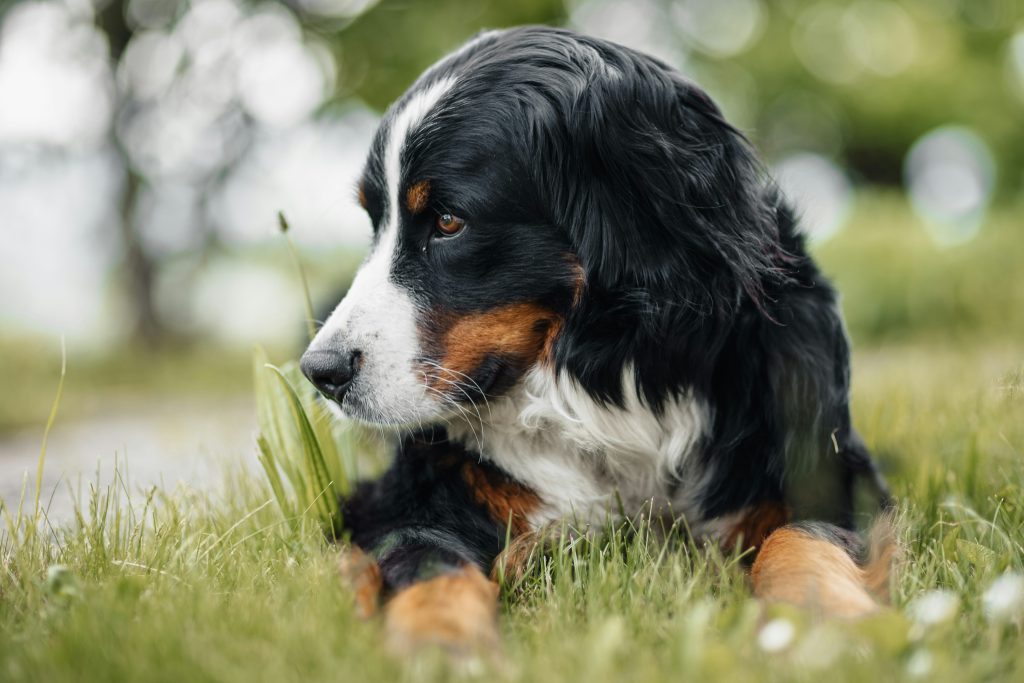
[(541, 199)]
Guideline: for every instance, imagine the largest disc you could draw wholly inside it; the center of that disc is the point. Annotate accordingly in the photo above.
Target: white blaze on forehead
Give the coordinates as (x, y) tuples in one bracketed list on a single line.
[(410, 116), (377, 317)]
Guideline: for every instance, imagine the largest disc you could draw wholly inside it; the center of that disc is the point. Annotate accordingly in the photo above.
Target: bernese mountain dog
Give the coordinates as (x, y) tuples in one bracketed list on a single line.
[(585, 300)]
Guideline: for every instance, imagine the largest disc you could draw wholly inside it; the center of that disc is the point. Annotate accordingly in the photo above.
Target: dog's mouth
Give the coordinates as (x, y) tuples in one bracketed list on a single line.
[(353, 406), (449, 394), (493, 376)]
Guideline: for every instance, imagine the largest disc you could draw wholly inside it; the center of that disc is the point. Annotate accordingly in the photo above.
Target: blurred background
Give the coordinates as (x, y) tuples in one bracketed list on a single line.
[(146, 147)]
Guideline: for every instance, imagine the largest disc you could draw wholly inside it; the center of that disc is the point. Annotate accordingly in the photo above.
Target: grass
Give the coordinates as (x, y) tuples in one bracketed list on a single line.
[(240, 584)]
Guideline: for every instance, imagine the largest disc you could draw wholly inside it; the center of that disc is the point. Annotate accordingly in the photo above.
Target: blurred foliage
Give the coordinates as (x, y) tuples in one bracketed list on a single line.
[(957, 75), (957, 71), (383, 51), (896, 284)]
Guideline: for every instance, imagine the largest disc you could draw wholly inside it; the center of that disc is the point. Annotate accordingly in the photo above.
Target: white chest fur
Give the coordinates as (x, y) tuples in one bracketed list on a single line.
[(582, 457)]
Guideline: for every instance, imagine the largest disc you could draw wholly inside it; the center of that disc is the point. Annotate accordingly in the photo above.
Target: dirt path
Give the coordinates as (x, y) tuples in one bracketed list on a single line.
[(164, 443)]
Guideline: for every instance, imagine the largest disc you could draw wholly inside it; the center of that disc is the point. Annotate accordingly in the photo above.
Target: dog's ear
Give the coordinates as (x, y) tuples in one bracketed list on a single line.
[(655, 190)]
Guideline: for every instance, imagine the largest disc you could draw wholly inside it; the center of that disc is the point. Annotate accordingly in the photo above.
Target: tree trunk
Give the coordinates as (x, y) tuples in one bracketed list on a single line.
[(138, 268)]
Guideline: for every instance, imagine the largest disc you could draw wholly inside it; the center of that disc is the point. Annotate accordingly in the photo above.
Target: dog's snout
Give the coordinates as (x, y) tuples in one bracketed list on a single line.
[(331, 371)]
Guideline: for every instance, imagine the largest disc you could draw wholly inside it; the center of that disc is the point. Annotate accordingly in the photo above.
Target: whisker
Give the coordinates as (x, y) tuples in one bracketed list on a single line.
[(465, 393), (460, 386), (448, 400)]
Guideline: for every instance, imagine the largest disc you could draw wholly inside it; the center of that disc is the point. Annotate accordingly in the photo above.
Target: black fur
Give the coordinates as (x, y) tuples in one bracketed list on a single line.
[(420, 518), (567, 152)]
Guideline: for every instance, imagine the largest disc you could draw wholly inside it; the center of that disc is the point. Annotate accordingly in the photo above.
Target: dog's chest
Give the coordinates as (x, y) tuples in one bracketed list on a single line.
[(583, 458)]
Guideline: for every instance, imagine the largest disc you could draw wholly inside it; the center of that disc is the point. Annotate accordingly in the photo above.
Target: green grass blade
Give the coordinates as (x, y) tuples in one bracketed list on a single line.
[(49, 425), (312, 453)]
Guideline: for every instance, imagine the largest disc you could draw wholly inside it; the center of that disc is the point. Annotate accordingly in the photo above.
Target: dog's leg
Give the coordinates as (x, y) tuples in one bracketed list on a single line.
[(423, 536), (813, 565), (438, 599), (457, 610), (431, 594), (361, 574)]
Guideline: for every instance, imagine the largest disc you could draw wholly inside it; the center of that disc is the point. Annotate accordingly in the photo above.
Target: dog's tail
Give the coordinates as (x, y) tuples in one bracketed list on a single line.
[(882, 553), (827, 568)]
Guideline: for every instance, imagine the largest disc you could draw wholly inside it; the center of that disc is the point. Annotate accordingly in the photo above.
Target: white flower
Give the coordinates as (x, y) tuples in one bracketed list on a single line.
[(819, 649), (920, 664), (776, 635), (934, 607), (1004, 599)]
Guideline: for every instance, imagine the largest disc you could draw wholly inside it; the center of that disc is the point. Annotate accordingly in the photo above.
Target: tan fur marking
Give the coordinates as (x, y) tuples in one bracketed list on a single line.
[(361, 194), (512, 564), (797, 568), (457, 611), (507, 501), (754, 524), (547, 353), (579, 282), (518, 331), (417, 197), (362, 574), (884, 552)]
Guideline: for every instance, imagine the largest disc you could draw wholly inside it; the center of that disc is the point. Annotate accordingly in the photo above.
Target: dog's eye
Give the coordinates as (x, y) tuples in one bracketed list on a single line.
[(448, 225)]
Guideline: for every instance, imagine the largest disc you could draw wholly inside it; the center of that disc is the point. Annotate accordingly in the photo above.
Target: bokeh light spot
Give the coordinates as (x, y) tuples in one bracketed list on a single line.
[(640, 24), (880, 35), (821, 192), (721, 28), (280, 80), (820, 42), (950, 176), (56, 87)]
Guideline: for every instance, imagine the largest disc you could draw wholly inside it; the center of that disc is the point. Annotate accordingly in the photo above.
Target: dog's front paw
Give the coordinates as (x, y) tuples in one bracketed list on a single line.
[(457, 611), (361, 574)]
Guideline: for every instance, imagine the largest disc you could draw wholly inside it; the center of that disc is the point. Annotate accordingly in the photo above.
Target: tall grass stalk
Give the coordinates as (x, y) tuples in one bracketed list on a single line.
[(282, 223), (309, 457), (49, 424)]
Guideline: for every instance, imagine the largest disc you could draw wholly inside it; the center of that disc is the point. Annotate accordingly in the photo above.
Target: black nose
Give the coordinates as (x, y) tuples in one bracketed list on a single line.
[(331, 371)]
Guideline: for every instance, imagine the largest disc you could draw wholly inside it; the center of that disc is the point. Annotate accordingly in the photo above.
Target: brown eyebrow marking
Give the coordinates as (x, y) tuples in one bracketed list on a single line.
[(361, 194), (417, 196)]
